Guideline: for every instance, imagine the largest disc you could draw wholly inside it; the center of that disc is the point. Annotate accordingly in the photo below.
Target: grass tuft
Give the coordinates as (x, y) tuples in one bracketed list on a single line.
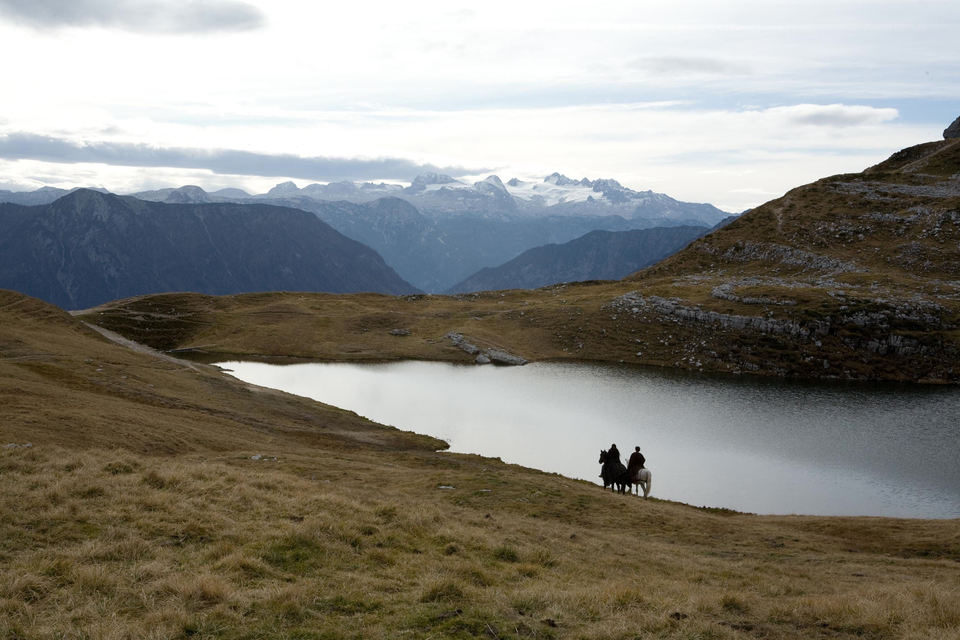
[(506, 553), (446, 591)]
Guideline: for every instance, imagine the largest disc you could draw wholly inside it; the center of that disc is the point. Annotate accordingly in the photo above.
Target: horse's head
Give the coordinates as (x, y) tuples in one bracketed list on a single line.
[(603, 456)]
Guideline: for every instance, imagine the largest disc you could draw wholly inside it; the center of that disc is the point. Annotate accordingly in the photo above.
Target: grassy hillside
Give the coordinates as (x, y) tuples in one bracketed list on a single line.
[(162, 499)]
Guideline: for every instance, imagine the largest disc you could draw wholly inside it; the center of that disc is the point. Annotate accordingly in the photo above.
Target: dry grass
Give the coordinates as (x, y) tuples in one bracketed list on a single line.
[(113, 544)]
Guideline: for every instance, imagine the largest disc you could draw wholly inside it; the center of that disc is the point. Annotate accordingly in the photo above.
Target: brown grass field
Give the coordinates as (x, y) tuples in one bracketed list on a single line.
[(139, 512)]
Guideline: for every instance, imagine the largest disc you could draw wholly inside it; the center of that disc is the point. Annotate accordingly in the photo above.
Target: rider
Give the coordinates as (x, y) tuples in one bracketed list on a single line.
[(614, 454), (636, 463)]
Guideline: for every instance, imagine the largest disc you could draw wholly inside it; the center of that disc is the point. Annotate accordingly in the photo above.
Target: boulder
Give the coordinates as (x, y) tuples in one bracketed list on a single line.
[(498, 356)]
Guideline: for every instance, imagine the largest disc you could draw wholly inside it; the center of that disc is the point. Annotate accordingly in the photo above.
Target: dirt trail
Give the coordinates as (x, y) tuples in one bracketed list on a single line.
[(142, 348)]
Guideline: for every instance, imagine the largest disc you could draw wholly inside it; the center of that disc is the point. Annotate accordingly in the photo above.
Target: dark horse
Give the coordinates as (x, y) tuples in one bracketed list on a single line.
[(614, 473)]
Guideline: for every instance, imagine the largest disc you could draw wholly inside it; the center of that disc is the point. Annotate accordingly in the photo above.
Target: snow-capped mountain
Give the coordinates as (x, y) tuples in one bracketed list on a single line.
[(437, 194)]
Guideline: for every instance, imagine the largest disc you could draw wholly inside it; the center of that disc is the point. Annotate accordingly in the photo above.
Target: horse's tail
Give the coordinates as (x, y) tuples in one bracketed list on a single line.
[(647, 477)]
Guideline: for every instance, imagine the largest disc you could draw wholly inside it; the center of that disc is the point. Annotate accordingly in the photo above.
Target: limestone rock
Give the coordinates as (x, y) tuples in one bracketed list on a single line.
[(498, 356), (485, 356)]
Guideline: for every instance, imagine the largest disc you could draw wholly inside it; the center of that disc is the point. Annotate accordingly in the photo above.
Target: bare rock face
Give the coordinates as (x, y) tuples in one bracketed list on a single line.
[(953, 131)]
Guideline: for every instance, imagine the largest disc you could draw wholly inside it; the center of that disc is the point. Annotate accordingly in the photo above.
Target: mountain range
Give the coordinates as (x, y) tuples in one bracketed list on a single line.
[(438, 231), (87, 247), (441, 195)]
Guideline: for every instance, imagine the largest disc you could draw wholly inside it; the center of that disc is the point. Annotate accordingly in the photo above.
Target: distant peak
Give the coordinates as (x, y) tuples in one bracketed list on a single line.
[(284, 188), (86, 199), (188, 194), (605, 184), (231, 192), (425, 179), (560, 180), (491, 183), (84, 194)]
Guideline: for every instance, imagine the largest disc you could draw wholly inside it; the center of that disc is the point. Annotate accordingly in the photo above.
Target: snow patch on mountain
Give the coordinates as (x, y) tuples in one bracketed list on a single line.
[(554, 189)]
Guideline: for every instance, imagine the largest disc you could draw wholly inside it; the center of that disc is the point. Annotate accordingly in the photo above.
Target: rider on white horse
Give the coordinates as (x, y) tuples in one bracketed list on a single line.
[(639, 476)]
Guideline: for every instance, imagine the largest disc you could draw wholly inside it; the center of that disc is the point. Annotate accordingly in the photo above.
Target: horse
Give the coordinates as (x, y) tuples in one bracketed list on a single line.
[(614, 473), (643, 480)]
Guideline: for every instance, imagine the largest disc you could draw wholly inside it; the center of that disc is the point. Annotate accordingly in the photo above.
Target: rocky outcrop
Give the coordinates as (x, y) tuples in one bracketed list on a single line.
[(751, 251), (874, 330), (672, 309), (498, 356), (726, 292), (485, 356), (953, 131)]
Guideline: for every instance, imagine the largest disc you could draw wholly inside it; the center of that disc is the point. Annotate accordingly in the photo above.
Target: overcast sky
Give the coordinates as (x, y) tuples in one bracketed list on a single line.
[(731, 103)]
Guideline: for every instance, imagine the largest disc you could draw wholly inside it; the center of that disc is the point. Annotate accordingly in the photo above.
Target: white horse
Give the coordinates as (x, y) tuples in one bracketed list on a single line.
[(644, 479)]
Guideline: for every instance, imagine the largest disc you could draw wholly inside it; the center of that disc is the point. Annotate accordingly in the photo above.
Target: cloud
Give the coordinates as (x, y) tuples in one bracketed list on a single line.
[(834, 115), (673, 65), (142, 16), (30, 146)]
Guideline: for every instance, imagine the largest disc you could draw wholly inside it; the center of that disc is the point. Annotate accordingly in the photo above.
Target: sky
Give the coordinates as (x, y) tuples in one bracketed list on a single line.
[(732, 103)]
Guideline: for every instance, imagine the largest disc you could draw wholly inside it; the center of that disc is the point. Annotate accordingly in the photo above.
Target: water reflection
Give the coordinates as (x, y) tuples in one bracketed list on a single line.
[(765, 446)]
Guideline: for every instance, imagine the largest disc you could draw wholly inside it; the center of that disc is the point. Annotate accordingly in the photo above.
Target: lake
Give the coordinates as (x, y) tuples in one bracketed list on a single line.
[(755, 445)]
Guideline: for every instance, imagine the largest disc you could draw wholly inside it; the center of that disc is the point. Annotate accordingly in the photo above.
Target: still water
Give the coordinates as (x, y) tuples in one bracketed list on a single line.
[(762, 446)]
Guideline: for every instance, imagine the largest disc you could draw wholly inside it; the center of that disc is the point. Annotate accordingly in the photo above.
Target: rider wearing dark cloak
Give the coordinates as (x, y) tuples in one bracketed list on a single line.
[(613, 455), (636, 463)]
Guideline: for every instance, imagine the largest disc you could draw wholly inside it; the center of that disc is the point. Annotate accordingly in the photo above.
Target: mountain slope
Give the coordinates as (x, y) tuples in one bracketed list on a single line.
[(64, 384), (598, 255), (87, 248)]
